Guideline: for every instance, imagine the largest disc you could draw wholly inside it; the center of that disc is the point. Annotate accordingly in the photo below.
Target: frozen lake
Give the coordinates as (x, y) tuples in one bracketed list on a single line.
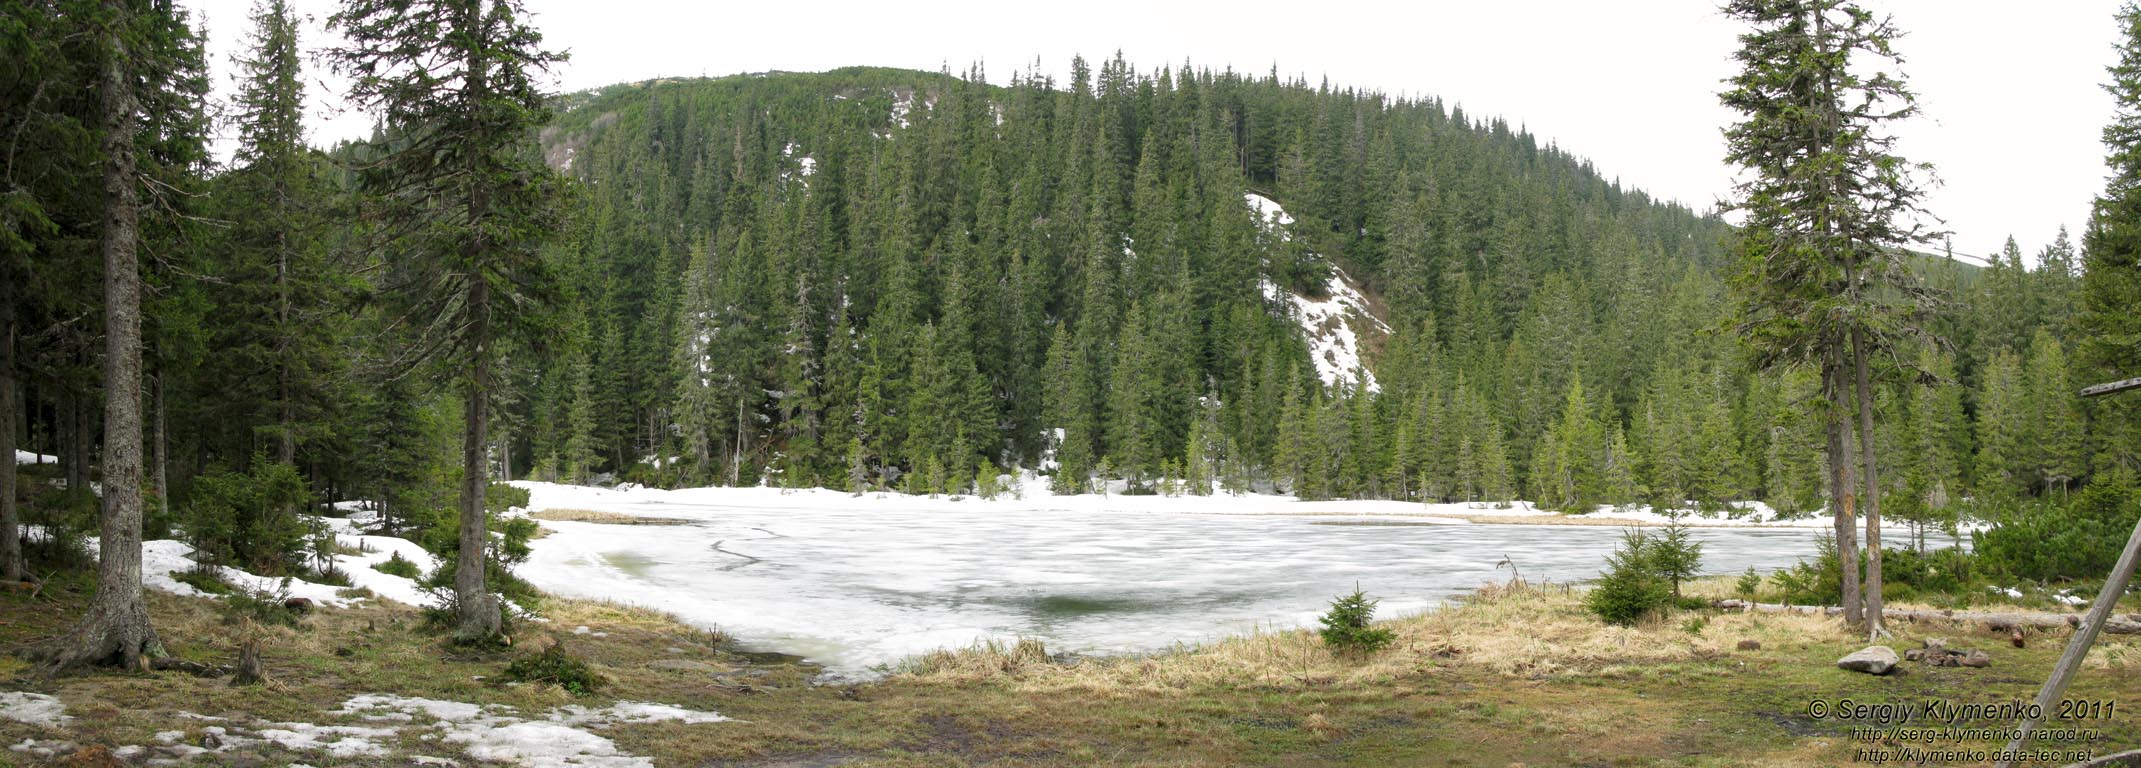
[(853, 583)]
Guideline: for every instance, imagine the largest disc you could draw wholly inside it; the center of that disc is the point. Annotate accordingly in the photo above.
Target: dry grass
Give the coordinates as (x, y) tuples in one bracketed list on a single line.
[(1511, 630), (598, 516)]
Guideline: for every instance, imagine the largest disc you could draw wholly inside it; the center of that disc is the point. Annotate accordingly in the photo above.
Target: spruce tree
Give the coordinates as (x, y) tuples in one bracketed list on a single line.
[(1824, 277), (2005, 435), (2109, 329), (146, 61), (454, 82)]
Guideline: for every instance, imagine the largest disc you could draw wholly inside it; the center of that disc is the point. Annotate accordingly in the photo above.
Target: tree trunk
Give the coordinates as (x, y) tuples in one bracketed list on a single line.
[(479, 620), (10, 530), (163, 455), (74, 442), (286, 444), (116, 627), (1841, 490), (1874, 629)]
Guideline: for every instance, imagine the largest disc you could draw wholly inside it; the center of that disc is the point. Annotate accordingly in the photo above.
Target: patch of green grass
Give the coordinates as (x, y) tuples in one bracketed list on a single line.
[(203, 581), (397, 565), (555, 666)]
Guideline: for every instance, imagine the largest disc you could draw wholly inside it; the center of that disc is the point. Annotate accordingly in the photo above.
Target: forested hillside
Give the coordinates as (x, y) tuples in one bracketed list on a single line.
[(857, 276), (877, 277)]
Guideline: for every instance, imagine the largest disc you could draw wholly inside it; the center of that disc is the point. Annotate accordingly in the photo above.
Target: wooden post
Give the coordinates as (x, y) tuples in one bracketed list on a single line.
[(2085, 635)]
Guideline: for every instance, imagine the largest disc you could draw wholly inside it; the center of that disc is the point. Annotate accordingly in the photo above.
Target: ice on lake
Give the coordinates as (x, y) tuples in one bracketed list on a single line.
[(854, 583)]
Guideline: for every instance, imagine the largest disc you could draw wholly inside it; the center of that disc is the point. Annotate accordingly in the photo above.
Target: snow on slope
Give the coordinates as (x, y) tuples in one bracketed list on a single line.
[(162, 558), (1332, 325)]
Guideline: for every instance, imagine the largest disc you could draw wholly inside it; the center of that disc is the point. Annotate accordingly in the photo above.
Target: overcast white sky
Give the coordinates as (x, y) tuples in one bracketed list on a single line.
[(2010, 91)]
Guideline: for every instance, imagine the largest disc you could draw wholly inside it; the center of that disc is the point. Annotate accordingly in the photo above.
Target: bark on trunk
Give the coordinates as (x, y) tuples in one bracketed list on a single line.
[(479, 619), (479, 615), (11, 567), (116, 627), (74, 442), (163, 455), (1842, 493), (1874, 629), (286, 444)]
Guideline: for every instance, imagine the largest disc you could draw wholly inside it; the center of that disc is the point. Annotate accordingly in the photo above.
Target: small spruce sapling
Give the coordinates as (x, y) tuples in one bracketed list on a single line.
[(1750, 583), (1346, 625), (1631, 587), (1675, 556)]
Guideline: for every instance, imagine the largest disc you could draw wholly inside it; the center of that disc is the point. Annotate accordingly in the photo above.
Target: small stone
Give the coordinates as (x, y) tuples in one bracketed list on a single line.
[(1914, 654), (1872, 660), (1750, 645), (1977, 659)]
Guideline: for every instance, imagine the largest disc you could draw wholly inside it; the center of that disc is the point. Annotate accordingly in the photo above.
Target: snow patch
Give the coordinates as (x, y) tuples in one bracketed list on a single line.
[(33, 708), (1269, 213), (556, 741), (163, 557), (632, 712), (1331, 325), (1328, 326), (376, 550), (342, 741)]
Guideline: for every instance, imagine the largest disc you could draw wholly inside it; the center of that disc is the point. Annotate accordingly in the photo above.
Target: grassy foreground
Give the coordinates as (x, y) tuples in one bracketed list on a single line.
[(1512, 677)]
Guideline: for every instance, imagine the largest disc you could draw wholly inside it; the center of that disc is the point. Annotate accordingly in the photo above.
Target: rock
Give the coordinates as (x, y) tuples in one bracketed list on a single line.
[(1914, 654), (1750, 645), (1872, 660), (1978, 659)]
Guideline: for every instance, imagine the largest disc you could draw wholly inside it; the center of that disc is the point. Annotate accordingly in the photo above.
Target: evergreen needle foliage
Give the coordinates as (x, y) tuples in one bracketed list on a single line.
[(1632, 586), (1347, 625)]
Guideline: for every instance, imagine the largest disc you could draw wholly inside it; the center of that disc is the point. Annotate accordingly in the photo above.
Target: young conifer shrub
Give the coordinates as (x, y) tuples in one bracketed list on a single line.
[(1631, 587), (1346, 626)]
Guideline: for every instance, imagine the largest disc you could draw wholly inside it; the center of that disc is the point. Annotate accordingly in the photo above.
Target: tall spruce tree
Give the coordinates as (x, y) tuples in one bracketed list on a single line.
[(149, 85), (2110, 288), (1824, 278), (454, 83)]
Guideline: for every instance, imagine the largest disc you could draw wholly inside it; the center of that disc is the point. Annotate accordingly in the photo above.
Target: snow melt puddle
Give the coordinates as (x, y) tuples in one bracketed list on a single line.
[(856, 583)]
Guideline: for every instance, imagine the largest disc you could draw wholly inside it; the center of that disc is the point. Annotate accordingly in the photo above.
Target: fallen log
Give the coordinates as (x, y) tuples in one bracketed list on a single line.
[(2129, 624)]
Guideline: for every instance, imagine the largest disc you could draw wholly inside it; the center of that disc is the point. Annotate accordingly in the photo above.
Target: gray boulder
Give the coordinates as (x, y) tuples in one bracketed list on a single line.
[(1872, 660)]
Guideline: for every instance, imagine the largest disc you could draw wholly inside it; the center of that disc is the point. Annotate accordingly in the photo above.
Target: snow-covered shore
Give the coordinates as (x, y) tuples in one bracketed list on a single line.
[(1032, 495)]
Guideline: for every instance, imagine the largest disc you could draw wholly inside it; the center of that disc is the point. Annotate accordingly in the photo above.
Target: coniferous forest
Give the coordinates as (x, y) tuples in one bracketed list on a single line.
[(871, 364), (1141, 279), (873, 278)]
